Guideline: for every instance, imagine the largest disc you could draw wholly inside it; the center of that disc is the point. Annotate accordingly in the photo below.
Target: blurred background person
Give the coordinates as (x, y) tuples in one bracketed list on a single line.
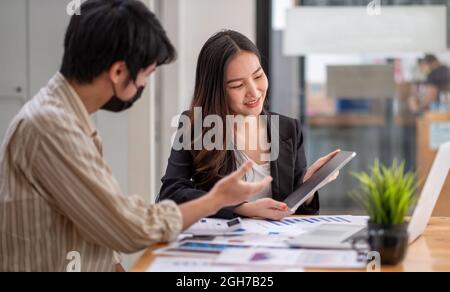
[(436, 86)]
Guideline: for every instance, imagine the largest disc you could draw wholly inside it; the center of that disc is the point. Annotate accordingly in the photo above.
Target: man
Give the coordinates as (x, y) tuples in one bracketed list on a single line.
[(58, 197), (437, 85)]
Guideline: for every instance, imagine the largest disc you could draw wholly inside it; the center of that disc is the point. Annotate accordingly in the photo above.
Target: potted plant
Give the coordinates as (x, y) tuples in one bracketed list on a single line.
[(387, 195)]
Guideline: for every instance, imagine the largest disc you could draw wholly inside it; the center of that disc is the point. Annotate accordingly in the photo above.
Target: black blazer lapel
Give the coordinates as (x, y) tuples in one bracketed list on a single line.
[(282, 169)]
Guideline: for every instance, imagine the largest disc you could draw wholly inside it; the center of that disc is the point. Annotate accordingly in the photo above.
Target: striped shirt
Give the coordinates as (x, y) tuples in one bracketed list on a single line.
[(60, 206)]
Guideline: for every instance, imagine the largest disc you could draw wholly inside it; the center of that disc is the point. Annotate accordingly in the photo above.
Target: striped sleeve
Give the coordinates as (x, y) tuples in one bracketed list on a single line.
[(68, 167)]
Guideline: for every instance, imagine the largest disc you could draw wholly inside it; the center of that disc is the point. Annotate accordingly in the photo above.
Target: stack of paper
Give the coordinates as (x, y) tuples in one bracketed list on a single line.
[(170, 264), (259, 245), (289, 257)]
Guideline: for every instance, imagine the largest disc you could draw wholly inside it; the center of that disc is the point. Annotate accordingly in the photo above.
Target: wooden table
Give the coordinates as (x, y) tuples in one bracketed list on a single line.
[(430, 253)]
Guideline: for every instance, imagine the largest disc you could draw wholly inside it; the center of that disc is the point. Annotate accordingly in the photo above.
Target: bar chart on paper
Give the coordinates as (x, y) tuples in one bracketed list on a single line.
[(296, 225), (293, 221)]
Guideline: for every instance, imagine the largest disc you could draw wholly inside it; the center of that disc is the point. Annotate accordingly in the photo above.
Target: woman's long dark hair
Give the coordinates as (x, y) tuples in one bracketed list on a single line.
[(210, 95)]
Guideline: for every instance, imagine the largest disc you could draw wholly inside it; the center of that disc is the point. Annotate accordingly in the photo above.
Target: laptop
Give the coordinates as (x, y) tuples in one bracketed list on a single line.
[(340, 236)]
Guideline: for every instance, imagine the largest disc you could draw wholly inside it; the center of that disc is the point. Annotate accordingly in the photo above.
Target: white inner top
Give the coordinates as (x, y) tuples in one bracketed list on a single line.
[(256, 174)]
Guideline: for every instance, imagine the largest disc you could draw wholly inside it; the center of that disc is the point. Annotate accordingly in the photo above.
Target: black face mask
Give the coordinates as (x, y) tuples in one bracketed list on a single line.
[(115, 104)]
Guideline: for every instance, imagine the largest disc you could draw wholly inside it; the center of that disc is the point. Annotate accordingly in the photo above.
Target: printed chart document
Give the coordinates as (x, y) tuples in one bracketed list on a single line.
[(172, 264), (258, 245), (333, 259), (295, 226), (255, 233)]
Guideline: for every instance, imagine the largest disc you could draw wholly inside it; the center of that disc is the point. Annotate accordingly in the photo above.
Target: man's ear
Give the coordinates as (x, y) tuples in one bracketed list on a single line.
[(118, 73)]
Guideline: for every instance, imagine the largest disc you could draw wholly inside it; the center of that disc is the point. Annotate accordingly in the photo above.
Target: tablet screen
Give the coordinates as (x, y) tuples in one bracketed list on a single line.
[(307, 190)]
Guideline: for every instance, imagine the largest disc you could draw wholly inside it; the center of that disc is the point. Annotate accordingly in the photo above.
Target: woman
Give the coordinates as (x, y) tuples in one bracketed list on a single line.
[(231, 81)]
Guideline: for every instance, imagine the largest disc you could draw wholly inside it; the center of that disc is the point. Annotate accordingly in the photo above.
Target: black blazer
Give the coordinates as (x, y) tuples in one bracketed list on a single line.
[(181, 183)]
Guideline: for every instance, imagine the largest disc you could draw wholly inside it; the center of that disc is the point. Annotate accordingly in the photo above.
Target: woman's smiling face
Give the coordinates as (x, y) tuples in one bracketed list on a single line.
[(246, 84)]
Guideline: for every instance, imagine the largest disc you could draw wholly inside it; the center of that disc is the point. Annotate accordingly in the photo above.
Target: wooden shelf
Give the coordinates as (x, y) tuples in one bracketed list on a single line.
[(350, 120)]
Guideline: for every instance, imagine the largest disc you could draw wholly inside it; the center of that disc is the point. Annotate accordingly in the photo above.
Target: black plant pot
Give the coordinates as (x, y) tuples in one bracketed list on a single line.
[(391, 241)]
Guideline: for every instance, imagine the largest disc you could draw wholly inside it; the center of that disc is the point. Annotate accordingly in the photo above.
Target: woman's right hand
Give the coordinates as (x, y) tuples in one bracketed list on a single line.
[(264, 208)]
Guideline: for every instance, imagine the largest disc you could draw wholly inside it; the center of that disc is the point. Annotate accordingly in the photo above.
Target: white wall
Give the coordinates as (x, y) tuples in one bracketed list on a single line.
[(189, 24), (13, 60), (48, 22)]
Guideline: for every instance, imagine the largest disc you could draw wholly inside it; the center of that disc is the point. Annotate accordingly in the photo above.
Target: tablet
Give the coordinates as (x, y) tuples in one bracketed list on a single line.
[(309, 188)]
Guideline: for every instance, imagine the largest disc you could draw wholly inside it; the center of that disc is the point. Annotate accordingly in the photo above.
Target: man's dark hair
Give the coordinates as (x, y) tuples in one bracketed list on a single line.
[(430, 59), (107, 31)]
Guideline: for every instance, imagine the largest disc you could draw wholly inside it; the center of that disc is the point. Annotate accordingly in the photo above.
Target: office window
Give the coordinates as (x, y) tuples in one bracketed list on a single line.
[(358, 102)]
